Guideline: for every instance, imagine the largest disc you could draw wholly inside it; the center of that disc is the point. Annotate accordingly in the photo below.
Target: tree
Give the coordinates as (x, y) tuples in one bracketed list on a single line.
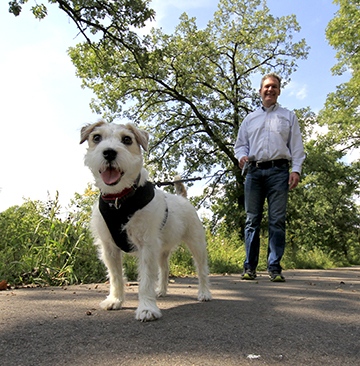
[(113, 19), (193, 88), (323, 213), (341, 112)]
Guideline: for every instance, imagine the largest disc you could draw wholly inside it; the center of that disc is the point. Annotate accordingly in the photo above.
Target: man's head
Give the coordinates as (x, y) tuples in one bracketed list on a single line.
[(270, 89)]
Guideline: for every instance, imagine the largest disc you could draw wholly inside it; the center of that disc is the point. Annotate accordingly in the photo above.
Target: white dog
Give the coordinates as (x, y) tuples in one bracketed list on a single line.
[(134, 216)]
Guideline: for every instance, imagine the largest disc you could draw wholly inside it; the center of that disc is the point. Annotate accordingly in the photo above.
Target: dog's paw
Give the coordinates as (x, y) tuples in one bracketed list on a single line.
[(111, 303), (204, 296), (148, 315), (160, 292)]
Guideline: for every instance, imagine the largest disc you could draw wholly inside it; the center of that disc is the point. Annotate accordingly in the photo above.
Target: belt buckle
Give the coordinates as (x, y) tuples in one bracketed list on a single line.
[(258, 163)]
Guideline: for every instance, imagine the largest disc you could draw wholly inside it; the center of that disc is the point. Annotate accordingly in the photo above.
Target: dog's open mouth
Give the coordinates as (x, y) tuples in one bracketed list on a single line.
[(111, 176)]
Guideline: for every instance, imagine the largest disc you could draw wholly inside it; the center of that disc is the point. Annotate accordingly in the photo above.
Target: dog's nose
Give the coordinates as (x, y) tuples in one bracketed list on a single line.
[(109, 154)]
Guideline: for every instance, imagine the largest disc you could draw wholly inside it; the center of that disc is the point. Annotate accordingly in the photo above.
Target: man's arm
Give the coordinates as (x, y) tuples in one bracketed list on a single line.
[(296, 146), (241, 147), (297, 154)]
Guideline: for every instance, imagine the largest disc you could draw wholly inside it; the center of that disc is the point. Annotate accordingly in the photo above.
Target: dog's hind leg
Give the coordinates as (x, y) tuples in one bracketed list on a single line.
[(148, 267), (163, 273), (112, 257), (197, 245)]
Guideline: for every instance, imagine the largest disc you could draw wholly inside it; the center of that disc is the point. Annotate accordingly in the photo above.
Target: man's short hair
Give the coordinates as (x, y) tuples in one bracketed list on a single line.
[(271, 75)]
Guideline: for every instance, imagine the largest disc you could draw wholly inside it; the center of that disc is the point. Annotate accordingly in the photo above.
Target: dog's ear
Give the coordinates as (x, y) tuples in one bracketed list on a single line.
[(142, 136), (86, 130)]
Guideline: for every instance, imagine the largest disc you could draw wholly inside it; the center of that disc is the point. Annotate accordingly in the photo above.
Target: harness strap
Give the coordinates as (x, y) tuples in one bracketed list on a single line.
[(165, 216), (117, 218)]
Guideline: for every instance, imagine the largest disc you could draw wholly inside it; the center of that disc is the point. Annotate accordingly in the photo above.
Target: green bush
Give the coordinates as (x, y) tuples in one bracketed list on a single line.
[(130, 267), (181, 262), (226, 252), (303, 259), (39, 244)]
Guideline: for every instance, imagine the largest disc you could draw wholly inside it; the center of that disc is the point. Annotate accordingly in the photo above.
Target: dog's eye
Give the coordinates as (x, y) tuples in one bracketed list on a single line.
[(127, 140), (97, 138)]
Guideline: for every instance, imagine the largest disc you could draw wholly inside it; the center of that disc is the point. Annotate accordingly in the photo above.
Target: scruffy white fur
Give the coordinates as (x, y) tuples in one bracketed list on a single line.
[(154, 243)]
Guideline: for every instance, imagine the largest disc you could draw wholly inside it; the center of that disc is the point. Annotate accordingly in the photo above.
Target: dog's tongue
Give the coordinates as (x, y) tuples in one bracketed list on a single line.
[(110, 176)]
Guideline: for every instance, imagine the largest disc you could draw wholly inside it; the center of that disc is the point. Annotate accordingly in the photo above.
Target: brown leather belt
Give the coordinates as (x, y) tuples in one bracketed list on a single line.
[(268, 164)]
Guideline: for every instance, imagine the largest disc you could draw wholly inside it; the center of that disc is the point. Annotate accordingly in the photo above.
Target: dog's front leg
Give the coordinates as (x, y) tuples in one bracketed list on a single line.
[(163, 273), (112, 257), (148, 267)]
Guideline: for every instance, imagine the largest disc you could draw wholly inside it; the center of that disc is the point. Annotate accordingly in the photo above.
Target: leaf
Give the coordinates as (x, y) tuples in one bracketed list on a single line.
[(3, 285)]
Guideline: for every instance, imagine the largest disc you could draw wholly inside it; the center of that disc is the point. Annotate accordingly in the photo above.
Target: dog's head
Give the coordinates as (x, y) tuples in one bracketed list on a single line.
[(114, 154)]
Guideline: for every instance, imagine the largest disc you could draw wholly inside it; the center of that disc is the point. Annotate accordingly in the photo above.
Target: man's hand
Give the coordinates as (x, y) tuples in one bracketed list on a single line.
[(294, 180), (242, 161)]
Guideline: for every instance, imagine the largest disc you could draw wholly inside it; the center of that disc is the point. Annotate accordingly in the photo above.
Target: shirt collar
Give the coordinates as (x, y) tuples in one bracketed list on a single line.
[(272, 108)]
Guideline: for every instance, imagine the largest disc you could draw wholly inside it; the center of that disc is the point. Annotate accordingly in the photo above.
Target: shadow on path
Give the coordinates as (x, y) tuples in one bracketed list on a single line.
[(312, 319)]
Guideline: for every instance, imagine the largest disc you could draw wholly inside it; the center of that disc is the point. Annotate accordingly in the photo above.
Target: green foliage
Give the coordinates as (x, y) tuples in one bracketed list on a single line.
[(15, 7), (343, 33), (307, 259), (181, 262), (39, 10), (192, 89), (40, 246), (341, 112), (322, 212), (130, 267), (225, 251), (114, 20)]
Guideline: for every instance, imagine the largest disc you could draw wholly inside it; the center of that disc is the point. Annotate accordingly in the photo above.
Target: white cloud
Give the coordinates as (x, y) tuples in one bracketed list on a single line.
[(294, 89), (302, 93)]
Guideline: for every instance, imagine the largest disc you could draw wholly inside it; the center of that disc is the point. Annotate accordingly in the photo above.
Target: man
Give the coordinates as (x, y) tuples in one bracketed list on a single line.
[(268, 139)]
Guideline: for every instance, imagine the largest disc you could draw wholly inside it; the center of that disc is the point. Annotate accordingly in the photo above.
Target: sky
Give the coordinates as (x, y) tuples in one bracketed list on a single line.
[(43, 106)]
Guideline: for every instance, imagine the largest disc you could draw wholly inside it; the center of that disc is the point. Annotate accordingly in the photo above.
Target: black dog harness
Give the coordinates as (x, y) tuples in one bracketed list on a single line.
[(117, 210)]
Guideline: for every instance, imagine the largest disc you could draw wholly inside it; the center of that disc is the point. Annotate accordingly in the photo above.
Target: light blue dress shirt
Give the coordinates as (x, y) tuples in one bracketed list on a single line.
[(270, 134)]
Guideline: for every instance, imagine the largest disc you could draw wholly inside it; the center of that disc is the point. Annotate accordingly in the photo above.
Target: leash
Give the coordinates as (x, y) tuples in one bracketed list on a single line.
[(160, 184), (166, 183)]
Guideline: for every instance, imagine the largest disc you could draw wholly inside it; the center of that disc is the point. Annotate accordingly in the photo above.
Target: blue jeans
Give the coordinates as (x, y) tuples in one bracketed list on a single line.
[(271, 184)]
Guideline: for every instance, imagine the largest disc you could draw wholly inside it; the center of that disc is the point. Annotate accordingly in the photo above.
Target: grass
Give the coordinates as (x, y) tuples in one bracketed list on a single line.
[(40, 246), (226, 253)]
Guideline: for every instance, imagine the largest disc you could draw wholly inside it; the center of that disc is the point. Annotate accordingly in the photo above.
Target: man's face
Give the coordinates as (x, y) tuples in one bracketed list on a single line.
[(269, 92)]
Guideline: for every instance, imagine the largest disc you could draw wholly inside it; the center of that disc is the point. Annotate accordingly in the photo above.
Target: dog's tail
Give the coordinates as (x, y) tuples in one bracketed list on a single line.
[(179, 187)]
